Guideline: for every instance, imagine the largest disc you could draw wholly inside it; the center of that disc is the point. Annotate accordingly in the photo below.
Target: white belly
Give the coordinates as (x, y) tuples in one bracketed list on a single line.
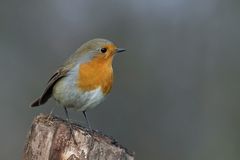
[(66, 93)]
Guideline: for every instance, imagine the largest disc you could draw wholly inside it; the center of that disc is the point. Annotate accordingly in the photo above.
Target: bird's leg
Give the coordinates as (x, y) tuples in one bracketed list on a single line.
[(70, 125), (66, 113), (68, 120), (51, 112), (86, 118)]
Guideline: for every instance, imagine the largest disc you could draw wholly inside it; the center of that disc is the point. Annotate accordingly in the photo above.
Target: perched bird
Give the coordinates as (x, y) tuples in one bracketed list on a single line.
[(85, 78)]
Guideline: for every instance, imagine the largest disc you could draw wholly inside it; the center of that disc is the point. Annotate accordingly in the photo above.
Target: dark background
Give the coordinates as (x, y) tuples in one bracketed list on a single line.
[(176, 91)]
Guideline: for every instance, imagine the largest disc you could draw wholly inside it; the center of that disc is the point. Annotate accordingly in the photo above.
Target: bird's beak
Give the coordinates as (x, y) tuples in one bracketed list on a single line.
[(118, 50)]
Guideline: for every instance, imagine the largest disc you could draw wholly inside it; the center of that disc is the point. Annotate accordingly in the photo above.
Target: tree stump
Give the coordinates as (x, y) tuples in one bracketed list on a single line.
[(50, 138)]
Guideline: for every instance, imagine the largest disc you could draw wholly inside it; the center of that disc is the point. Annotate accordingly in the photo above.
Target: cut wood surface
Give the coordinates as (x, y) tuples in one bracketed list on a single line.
[(50, 138)]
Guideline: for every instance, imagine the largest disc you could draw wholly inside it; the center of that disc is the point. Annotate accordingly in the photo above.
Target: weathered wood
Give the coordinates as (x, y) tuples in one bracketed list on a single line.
[(50, 138)]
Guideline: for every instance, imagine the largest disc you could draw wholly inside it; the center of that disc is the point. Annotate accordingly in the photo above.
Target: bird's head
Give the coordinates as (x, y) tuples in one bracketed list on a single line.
[(101, 49)]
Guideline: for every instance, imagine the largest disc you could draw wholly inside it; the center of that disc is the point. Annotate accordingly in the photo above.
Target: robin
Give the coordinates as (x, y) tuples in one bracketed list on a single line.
[(85, 78)]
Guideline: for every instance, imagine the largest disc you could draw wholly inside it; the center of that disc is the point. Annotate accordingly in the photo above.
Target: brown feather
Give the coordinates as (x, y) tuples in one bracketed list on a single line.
[(48, 91)]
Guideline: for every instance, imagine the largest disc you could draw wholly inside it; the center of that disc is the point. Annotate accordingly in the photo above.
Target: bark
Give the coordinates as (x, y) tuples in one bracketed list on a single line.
[(50, 138)]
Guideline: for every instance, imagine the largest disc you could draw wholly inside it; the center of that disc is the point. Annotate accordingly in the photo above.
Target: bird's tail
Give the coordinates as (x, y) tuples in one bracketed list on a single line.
[(36, 103), (41, 100)]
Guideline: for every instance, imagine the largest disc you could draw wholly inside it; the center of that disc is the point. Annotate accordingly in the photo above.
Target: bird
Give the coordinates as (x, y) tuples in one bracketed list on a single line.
[(84, 80)]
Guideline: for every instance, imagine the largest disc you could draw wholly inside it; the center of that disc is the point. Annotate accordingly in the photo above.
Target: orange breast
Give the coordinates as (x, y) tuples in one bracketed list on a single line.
[(96, 73)]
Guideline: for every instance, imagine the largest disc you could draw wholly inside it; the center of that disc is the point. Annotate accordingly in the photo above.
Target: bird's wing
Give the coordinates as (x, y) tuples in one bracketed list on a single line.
[(59, 74)]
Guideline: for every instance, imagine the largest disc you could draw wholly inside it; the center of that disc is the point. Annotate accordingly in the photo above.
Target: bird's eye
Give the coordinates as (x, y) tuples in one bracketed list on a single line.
[(103, 50)]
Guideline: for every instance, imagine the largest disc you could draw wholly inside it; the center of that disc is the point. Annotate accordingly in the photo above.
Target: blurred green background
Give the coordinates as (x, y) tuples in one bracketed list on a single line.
[(176, 91)]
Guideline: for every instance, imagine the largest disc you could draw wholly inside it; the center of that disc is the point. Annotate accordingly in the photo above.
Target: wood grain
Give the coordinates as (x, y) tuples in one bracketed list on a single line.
[(50, 139)]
